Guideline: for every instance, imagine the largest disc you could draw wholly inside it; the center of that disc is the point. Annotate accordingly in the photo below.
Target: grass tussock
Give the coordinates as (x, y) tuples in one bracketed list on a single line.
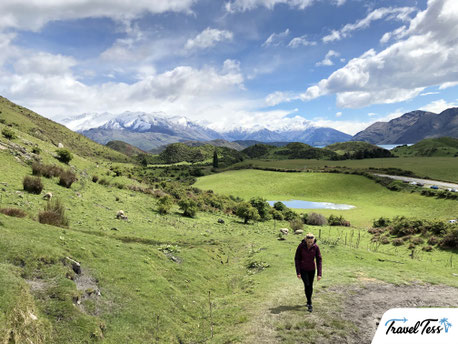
[(32, 184), (54, 214), (14, 212)]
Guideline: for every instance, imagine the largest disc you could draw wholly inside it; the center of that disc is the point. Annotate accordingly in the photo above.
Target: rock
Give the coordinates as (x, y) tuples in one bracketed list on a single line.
[(221, 221), (76, 267), (284, 231), (299, 231), (60, 145), (114, 229)]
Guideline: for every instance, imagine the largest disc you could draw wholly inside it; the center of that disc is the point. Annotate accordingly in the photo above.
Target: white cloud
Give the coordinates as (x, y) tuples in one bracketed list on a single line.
[(438, 106), (426, 57), (371, 114), (339, 114), (275, 39), (448, 85), (396, 34), (428, 93), (390, 13), (247, 5), (33, 15), (300, 41), (208, 38), (327, 59)]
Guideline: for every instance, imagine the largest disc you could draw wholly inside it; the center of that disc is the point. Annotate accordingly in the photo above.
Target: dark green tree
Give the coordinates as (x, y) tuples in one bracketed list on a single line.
[(247, 212), (215, 159)]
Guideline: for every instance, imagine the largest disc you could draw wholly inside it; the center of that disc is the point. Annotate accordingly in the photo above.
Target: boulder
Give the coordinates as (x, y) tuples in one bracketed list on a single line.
[(221, 221)]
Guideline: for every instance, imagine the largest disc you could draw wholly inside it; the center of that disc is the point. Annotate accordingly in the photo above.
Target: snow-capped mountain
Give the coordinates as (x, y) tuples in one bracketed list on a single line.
[(150, 130)]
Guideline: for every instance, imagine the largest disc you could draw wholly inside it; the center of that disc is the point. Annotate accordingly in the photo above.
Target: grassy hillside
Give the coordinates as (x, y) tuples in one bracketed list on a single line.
[(26, 121), (124, 148), (294, 150), (359, 150), (371, 199), (440, 147), (440, 168)]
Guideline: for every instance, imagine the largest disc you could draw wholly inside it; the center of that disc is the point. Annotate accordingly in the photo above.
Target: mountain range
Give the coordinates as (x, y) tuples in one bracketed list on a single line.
[(150, 131), (153, 131)]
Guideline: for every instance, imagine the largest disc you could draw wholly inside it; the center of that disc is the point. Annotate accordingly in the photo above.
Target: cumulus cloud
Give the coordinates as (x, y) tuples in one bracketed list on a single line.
[(438, 106), (247, 5), (208, 38), (33, 15), (300, 41), (339, 114), (389, 13), (327, 59), (275, 39), (425, 57)]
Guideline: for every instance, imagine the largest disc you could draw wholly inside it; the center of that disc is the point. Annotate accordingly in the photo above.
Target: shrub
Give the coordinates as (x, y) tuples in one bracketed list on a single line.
[(433, 240), (315, 219), (384, 240), (280, 206), (14, 212), (67, 178), (290, 215), (276, 215), (381, 222), (438, 227), (189, 207), (32, 184), (47, 171), (427, 248), (397, 242), (164, 204), (54, 214), (95, 179), (337, 221), (296, 224), (64, 155), (262, 206), (450, 240), (247, 212), (417, 241), (9, 133)]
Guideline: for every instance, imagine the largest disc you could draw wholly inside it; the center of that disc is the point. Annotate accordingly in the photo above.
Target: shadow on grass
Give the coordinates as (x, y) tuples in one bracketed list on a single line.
[(281, 309)]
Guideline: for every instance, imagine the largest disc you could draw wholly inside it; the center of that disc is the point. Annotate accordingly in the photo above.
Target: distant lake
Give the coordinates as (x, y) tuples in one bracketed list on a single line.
[(389, 147), (297, 204)]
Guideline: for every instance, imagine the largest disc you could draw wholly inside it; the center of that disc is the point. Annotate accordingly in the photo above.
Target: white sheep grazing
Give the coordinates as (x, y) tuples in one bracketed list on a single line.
[(284, 231), (47, 196), (120, 215)]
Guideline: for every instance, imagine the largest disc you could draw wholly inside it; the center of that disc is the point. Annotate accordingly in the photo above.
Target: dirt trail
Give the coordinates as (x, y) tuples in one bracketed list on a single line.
[(342, 314), (423, 181)]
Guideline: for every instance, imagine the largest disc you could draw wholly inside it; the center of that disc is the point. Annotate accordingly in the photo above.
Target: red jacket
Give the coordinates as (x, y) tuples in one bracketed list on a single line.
[(305, 258)]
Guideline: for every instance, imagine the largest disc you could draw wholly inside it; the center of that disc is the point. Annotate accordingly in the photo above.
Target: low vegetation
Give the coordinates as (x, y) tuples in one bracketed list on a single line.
[(32, 184)]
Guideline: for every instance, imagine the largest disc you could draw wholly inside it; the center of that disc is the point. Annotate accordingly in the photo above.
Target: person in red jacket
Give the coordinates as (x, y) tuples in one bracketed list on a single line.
[(306, 254)]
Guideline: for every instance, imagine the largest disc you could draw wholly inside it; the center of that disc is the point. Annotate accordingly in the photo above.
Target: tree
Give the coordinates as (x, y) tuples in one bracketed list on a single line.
[(262, 207), (247, 212), (164, 204), (215, 159), (64, 155)]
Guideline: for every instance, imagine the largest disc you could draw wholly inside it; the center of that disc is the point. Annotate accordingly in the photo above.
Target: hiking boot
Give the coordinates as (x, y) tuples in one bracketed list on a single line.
[(309, 308)]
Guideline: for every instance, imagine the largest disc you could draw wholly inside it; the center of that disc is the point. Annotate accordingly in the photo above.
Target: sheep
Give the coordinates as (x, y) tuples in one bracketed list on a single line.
[(284, 231), (47, 196), (121, 215)]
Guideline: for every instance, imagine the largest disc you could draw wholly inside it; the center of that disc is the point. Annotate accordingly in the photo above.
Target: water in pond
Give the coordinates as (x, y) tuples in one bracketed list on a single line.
[(297, 204)]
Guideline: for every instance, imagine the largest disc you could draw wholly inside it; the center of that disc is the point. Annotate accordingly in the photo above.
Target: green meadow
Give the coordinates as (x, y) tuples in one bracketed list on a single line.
[(370, 199), (171, 279), (439, 168)]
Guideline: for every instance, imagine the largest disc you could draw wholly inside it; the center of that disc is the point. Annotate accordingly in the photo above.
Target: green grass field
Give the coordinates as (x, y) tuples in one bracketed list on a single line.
[(439, 168), (371, 199)]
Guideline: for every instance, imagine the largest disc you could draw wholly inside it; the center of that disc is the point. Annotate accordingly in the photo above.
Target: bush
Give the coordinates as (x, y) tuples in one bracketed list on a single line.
[(262, 206), (67, 178), (32, 184), (397, 242), (54, 214), (14, 212), (338, 221), (280, 206), (384, 240), (290, 215), (104, 182), (189, 207), (315, 219), (247, 212), (417, 241), (450, 240), (433, 240), (296, 224), (95, 179), (64, 155), (427, 248), (47, 171), (164, 204), (276, 215), (9, 133), (381, 222)]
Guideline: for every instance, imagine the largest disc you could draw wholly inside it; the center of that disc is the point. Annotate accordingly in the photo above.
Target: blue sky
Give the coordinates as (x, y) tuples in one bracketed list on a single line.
[(233, 63)]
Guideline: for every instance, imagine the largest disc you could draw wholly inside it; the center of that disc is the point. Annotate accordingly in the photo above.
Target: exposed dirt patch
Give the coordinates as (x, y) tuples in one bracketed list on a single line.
[(86, 284), (342, 314)]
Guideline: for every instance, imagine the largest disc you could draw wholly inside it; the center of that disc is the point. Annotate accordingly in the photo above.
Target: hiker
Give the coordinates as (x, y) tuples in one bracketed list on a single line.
[(304, 259)]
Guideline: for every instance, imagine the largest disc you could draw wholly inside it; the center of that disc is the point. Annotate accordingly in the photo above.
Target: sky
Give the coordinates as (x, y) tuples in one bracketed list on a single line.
[(232, 63)]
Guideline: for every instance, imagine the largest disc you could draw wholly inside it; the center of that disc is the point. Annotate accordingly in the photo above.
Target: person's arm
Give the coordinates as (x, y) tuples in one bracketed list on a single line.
[(318, 262), (297, 261)]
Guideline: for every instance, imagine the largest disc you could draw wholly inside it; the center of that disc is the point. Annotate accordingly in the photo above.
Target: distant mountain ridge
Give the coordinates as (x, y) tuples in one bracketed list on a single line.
[(150, 131), (412, 127)]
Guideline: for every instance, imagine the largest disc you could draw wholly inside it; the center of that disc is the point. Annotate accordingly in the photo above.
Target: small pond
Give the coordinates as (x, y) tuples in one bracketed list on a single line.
[(297, 204)]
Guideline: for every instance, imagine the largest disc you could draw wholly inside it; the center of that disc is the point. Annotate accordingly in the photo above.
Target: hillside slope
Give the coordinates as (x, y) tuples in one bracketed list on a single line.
[(440, 147)]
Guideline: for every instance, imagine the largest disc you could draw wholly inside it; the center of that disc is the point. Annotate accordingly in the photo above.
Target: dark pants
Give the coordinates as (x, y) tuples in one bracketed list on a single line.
[(307, 278)]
